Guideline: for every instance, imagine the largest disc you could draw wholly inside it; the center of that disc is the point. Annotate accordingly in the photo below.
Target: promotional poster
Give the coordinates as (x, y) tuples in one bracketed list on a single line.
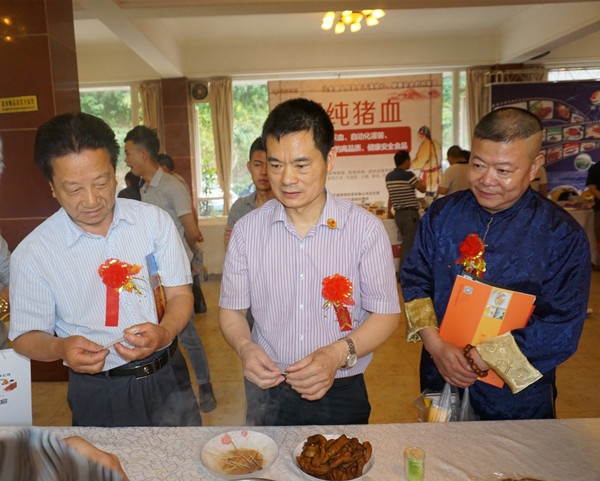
[(570, 113), (373, 119), (15, 389)]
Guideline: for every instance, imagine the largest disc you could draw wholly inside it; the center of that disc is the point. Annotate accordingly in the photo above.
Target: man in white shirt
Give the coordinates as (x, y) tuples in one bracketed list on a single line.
[(455, 177), (168, 193)]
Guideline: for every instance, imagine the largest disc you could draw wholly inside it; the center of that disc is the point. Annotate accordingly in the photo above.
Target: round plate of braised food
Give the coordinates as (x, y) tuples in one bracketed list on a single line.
[(331, 457), (238, 454)]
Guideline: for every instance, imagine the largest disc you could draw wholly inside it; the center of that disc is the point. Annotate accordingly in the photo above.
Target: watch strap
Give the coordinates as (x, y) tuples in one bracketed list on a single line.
[(351, 350)]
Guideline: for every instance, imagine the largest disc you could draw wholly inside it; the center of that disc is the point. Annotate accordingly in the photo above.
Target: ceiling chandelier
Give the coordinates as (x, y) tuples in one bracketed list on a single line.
[(352, 18)]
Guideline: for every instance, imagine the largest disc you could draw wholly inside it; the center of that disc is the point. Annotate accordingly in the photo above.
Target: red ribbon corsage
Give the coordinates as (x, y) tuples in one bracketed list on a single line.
[(337, 291), (117, 275), (471, 255)]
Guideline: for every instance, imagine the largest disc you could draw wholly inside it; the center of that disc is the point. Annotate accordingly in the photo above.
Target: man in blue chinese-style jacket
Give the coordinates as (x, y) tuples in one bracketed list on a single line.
[(531, 245)]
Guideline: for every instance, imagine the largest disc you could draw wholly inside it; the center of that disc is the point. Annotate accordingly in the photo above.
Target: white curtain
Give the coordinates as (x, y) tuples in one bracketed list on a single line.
[(221, 106), (480, 79), (150, 94), (478, 94)]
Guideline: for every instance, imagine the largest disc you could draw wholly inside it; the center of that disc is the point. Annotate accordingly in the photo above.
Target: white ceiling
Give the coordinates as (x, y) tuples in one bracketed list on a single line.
[(131, 40)]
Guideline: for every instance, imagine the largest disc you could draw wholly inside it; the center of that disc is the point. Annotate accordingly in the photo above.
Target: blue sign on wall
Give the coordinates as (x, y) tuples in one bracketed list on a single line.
[(570, 113)]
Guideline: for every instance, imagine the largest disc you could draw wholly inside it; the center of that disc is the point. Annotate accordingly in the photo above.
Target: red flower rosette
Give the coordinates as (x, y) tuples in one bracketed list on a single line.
[(471, 255), (117, 275), (337, 291)]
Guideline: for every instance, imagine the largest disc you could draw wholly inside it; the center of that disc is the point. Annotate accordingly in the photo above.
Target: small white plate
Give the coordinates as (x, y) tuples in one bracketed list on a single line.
[(241, 440), (298, 451)]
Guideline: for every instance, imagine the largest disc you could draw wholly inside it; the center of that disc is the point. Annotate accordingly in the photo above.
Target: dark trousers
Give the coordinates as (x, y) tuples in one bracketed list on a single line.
[(165, 398), (282, 406), (407, 221)]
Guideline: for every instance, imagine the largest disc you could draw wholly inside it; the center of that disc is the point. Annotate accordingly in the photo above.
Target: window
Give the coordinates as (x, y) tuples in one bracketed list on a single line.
[(455, 129), (462, 130), (114, 105), (210, 198), (250, 109), (574, 74)]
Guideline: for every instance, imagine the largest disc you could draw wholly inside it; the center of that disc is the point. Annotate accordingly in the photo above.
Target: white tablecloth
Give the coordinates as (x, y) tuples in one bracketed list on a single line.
[(552, 450)]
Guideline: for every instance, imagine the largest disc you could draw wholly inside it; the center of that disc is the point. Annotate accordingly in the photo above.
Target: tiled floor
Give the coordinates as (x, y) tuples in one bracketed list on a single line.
[(392, 377)]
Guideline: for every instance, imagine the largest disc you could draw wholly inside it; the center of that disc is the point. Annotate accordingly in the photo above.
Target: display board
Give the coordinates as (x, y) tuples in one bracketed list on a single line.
[(570, 113), (373, 119)]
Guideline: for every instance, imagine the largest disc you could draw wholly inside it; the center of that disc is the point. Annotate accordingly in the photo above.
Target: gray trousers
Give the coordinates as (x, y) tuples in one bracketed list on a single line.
[(407, 221), (192, 343)]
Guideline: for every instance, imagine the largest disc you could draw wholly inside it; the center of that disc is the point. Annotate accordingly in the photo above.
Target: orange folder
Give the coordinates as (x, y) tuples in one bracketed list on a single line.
[(478, 311)]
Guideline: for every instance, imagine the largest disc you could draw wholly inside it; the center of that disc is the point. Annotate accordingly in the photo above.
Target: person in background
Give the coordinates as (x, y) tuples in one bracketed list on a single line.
[(455, 177), (429, 159), (132, 191), (593, 183), (166, 192), (401, 184), (503, 231), (540, 183), (257, 166), (83, 275), (168, 166), (31, 454), (293, 260)]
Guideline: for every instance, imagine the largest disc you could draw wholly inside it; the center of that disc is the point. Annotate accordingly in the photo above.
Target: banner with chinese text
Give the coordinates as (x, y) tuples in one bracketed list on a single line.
[(373, 119)]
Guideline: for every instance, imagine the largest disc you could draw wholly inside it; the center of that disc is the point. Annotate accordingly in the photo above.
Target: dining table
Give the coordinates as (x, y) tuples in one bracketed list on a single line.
[(548, 450)]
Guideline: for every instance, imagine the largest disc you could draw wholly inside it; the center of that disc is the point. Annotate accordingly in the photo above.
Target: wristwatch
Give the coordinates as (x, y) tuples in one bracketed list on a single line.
[(351, 357)]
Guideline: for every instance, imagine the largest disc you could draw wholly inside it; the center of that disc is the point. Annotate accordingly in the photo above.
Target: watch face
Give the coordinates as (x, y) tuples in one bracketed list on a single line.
[(351, 360)]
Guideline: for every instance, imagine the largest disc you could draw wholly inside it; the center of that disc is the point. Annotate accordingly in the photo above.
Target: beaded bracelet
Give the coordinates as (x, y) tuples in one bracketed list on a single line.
[(471, 362)]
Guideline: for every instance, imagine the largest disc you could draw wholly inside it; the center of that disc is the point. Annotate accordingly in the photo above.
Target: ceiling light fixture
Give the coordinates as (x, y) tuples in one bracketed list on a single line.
[(352, 18)]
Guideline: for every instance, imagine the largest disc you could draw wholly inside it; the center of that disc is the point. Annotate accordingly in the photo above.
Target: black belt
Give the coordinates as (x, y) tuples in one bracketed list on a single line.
[(406, 208), (148, 368), (342, 381)]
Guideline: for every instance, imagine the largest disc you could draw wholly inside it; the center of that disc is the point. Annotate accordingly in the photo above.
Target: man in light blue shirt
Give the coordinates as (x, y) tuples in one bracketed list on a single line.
[(83, 274)]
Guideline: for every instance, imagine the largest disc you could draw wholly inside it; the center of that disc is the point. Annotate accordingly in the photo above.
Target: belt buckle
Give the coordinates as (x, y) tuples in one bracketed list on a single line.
[(146, 370)]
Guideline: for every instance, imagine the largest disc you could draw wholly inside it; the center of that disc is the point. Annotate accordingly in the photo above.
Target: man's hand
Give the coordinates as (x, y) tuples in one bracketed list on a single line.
[(96, 455), (147, 338), (312, 376), (80, 354), (83, 355), (448, 359), (259, 368), (200, 236)]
